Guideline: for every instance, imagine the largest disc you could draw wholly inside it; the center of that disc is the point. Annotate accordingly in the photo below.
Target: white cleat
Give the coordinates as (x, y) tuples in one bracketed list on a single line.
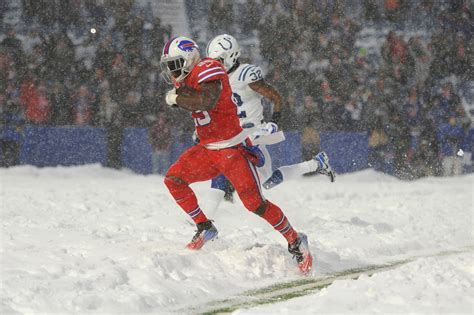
[(323, 165)]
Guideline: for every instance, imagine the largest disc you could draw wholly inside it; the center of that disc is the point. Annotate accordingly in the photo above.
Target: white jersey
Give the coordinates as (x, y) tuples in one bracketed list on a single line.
[(249, 102), (249, 107)]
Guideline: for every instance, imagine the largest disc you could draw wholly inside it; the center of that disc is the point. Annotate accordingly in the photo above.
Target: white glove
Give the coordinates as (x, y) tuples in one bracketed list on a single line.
[(271, 127), (267, 129), (171, 97)]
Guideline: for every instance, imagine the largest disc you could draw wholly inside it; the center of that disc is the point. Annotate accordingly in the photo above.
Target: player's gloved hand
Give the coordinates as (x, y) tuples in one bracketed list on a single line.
[(276, 117), (266, 129), (271, 127), (171, 97), (253, 154)]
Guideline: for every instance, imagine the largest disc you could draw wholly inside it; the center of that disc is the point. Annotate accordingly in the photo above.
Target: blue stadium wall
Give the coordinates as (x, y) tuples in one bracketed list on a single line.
[(52, 146)]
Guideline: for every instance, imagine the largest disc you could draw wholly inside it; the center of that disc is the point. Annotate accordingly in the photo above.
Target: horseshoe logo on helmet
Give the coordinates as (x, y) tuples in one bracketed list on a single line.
[(227, 40)]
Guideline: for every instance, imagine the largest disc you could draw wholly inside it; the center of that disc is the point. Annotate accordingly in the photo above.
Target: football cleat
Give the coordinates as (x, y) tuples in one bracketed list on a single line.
[(323, 165), (275, 179), (300, 251), (206, 231)]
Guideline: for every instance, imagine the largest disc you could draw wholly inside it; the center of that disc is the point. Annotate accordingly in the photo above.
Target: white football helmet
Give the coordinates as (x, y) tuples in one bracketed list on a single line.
[(179, 57), (225, 49)]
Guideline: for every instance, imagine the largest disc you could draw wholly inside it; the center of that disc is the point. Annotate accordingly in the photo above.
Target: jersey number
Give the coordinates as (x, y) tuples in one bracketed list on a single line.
[(238, 101), (203, 119), (257, 75)]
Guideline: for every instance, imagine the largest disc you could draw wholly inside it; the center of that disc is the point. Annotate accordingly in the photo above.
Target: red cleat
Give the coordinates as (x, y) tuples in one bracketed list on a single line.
[(206, 232), (300, 251)]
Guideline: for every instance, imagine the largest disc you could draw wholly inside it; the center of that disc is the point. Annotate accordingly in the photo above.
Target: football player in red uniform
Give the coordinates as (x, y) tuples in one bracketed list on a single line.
[(202, 87)]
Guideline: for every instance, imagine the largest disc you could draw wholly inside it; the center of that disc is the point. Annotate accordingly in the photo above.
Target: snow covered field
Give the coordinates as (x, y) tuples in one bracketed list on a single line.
[(93, 240)]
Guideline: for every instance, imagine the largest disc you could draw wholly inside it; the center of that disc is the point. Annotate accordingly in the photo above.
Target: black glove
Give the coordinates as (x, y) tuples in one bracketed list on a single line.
[(276, 117)]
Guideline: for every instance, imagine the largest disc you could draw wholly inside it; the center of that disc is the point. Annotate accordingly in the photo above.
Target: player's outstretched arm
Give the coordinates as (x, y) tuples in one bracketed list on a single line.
[(268, 91), (206, 99)]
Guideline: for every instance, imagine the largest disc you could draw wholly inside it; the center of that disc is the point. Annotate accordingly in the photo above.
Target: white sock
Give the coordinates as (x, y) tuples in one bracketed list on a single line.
[(296, 170)]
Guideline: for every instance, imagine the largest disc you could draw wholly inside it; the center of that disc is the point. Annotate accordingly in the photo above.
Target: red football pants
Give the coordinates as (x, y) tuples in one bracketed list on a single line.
[(200, 164)]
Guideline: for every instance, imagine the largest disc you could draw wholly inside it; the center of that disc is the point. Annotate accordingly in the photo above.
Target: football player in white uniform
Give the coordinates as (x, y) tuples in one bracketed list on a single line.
[(249, 87)]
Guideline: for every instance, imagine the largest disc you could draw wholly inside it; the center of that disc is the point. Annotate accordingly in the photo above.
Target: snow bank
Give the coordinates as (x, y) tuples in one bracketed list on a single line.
[(89, 239)]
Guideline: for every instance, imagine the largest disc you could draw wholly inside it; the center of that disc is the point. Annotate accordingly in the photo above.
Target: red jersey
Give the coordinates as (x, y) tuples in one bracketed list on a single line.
[(221, 122)]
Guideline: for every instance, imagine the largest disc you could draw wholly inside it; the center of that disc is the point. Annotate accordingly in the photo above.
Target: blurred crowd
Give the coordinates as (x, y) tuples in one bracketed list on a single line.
[(400, 70), (406, 89), (85, 63)]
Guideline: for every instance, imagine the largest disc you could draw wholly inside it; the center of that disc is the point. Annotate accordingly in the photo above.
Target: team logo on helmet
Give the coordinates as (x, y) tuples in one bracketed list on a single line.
[(228, 41), (186, 45)]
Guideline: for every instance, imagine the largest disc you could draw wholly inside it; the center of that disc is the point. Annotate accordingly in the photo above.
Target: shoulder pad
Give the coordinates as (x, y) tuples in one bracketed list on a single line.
[(250, 73), (209, 70), (208, 62)]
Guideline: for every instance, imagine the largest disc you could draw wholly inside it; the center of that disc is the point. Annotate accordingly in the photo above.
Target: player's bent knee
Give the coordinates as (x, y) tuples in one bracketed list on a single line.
[(173, 180), (260, 211)]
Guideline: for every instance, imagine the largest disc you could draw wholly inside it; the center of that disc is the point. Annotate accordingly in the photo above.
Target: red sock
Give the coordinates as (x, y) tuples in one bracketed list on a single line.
[(278, 220), (186, 199)]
